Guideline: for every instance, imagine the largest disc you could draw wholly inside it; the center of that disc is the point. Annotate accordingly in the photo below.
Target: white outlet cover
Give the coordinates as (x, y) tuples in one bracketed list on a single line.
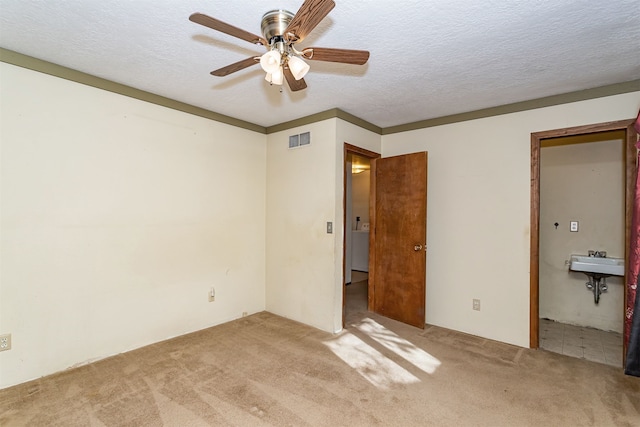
[(5, 342)]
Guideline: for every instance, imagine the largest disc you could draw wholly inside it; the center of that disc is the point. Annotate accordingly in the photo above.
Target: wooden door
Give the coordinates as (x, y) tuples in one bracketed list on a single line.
[(397, 261)]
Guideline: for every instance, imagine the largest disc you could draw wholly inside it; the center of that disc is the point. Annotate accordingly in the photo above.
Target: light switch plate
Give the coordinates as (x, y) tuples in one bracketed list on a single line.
[(573, 226), (329, 227)]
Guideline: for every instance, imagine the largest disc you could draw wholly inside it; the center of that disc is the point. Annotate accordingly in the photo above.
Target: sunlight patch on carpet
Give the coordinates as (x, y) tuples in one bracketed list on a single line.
[(403, 348), (375, 367)]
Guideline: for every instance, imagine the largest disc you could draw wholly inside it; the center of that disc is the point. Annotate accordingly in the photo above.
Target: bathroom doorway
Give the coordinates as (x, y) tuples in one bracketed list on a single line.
[(582, 134), (581, 209)]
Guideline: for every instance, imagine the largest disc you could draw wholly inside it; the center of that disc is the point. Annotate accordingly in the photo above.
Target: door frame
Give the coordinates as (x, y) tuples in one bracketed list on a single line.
[(352, 149), (630, 138)]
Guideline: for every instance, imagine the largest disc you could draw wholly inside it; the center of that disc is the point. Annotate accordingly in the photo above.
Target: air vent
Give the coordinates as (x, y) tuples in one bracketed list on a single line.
[(299, 140), (305, 138), (294, 141)]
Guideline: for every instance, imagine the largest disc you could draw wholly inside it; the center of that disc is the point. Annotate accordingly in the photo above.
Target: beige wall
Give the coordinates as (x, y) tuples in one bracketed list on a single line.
[(117, 216), (581, 182), (300, 201), (479, 212), (304, 192)]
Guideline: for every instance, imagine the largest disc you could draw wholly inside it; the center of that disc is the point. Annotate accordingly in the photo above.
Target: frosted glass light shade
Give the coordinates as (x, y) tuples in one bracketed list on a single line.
[(298, 67), (270, 61), (276, 78)]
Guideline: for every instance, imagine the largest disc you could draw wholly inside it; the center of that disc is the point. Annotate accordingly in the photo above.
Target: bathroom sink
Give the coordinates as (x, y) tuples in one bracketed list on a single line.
[(588, 264)]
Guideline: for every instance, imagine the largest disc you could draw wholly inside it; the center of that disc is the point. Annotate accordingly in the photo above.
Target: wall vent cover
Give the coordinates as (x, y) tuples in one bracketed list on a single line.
[(294, 141), (300, 140), (305, 138)]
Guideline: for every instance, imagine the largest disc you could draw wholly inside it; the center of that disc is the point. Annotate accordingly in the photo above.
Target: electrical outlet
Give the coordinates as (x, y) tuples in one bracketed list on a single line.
[(5, 342), (212, 294), (244, 314), (476, 304)]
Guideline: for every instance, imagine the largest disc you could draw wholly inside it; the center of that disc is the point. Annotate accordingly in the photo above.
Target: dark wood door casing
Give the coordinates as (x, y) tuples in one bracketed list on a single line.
[(630, 138)]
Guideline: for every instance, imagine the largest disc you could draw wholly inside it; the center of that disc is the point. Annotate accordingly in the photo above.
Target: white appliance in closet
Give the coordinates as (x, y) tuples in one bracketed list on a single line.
[(360, 250)]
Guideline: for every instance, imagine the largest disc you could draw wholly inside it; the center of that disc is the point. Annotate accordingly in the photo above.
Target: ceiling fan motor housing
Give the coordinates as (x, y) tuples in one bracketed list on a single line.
[(274, 23)]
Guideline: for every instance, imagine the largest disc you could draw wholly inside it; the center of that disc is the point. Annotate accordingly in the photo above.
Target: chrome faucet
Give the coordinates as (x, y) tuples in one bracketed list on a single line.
[(597, 254)]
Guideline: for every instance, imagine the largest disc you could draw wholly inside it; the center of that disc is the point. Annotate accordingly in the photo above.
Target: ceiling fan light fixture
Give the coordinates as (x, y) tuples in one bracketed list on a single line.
[(298, 67), (278, 77), (270, 61), (275, 78)]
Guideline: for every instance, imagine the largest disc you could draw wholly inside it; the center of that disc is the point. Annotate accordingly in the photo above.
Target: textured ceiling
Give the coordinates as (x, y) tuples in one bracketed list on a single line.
[(428, 58)]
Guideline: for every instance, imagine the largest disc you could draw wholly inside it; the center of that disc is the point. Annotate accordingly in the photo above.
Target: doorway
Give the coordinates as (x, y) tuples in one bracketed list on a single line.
[(581, 209), (396, 282), (357, 202), (629, 137)]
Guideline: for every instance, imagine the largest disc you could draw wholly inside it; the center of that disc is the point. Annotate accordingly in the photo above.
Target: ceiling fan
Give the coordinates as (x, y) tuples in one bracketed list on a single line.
[(281, 30)]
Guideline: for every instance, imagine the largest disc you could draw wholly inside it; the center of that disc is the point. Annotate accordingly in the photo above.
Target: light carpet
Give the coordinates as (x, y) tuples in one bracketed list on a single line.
[(265, 370)]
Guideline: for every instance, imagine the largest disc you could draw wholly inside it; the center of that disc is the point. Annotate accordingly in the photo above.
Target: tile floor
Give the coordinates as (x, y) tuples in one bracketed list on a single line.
[(581, 342)]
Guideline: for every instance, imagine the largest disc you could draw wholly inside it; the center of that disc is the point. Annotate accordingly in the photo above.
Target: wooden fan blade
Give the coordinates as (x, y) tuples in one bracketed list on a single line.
[(216, 24), (345, 56), (237, 66), (308, 16), (294, 84)]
